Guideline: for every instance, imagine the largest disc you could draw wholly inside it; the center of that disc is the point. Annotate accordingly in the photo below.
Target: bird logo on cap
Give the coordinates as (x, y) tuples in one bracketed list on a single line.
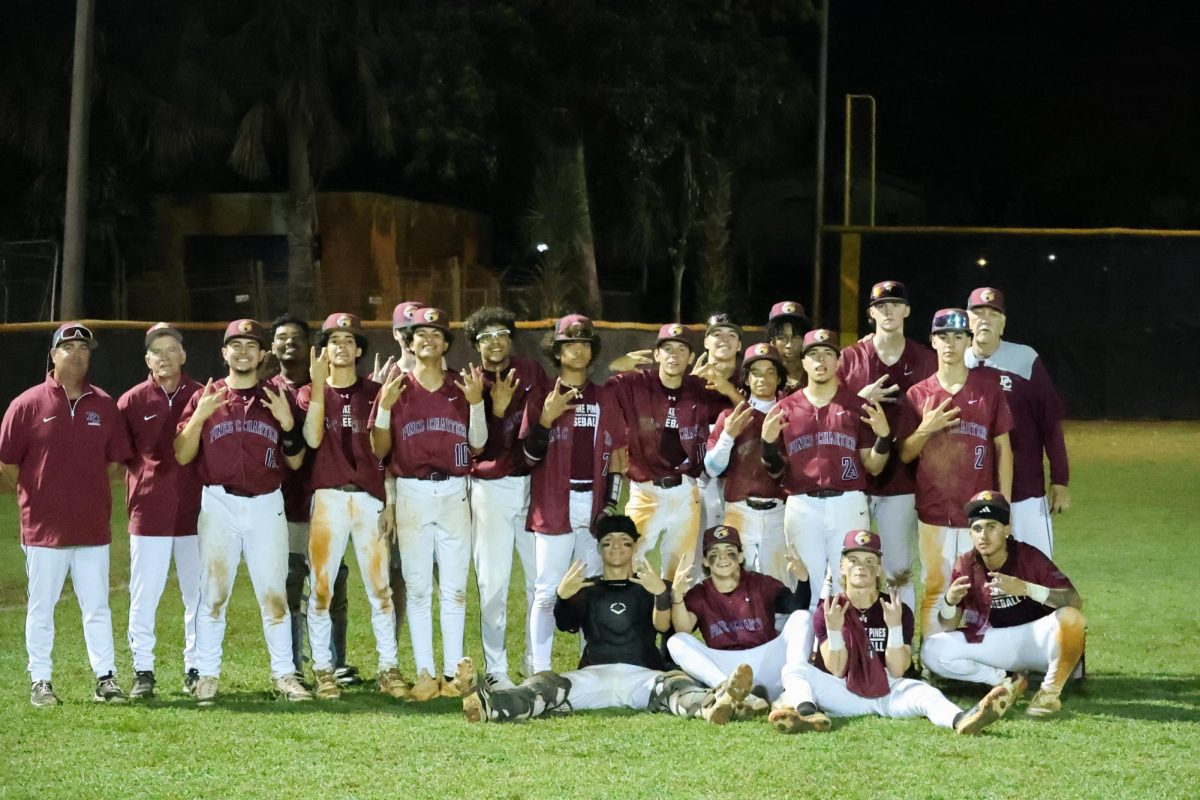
[(431, 315), (246, 326), (986, 496), (862, 537), (344, 321), (821, 335), (987, 295), (721, 532), (762, 350), (408, 312), (789, 308), (675, 330)]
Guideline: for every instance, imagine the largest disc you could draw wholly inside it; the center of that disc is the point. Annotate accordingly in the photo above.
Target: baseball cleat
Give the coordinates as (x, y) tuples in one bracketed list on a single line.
[(740, 682), (348, 676), (721, 710), (325, 685), (205, 691), (289, 688), (499, 680), (189, 680), (41, 695), (143, 685), (392, 683), (753, 706), (107, 690), (790, 720), (446, 687), (1044, 705), (465, 677), (1016, 683), (426, 687), (991, 708)]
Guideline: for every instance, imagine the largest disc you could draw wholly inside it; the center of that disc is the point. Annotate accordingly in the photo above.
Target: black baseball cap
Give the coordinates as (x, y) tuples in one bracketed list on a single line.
[(615, 523)]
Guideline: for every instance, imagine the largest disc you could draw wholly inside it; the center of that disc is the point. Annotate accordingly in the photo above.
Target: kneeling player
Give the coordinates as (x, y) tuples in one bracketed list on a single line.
[(1016, 609), (735, 610), (865, 649), (620, 612)]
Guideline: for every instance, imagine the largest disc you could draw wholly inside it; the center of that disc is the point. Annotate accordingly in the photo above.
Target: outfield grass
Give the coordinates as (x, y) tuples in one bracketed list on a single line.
[(1130, 544)]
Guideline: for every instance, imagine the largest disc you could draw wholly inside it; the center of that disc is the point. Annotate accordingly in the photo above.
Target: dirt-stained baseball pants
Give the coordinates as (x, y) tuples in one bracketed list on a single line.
[(907, 698), (552, 555), (895, 518), (672, 515), (939, 547), (47, 569), (710, 666), (499, 508), (816, 528), (149, 561), (763, 542)]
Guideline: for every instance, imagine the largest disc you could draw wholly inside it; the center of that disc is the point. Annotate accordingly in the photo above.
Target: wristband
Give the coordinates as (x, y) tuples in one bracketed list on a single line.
[(291, 442), (1038, 594), (383, 418), (662, 600), (883, 445), (947, 611), (895, 637), (836, 642)]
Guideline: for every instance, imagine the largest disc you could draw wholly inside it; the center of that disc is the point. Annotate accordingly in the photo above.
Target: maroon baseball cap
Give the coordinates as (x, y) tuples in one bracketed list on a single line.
[(574, 328), (342, 321), (862, 540), (722, 320), (427, 317), (402, 313), (721, 534), (672, 332), (73, 331), (950, 320), (786, 308), (762, 352), (888, 292), (987, 296), (988, 505), (246, 329), (162, 329), (821, 337)]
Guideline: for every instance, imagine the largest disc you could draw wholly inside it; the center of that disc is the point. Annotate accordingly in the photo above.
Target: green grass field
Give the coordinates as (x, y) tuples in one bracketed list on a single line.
[(1132, 730)]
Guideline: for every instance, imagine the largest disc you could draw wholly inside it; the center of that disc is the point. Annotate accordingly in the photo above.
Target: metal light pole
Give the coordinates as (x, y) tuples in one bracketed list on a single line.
[(75, 219), (819, 189)]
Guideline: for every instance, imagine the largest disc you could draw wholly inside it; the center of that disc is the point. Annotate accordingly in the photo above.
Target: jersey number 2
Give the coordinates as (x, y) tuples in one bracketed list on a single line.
[(980, 452), (849, 471)]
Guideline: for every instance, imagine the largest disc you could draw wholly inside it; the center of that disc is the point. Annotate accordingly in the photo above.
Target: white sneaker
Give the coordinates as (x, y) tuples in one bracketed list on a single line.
[(499, 680)]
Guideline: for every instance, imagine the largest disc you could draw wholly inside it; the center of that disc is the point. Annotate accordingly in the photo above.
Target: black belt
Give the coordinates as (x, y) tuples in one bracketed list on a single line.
[(581, 487), (434, 476), (827, 493), (238, 492), (761, 505), (348, 487), (669, 482)]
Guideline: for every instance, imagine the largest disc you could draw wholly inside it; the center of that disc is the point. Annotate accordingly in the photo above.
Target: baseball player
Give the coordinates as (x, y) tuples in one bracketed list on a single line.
[(753, 499), (786, 325), (240, 433), (957, 421), (59, 441), (865, 648), (889, 363), (574, 440), (668, 413), (722, 344), (164, 502), (1037, 414), (500, 483), (1008, 609), (621, 611), (290, 346), (428, 426), (820, 445), (347, 487), (735, 611)]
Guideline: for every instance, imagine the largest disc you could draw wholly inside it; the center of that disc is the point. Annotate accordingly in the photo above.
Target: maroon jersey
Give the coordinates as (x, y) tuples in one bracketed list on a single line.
[(647, 407), (982, 609), (239, 443), (345, 456), (740, 620), (820, 445), (872, 621), (62, 449), (297, 497), (746, 476), (502, 456), (163, 497), (960, 461), (549, 452), (860, 365), (865, 633), (429, 430)]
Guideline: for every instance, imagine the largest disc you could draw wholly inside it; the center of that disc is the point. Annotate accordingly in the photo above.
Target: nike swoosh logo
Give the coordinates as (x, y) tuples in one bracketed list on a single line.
[(908, 372), (47, 419), (973, 402), (147, 419)]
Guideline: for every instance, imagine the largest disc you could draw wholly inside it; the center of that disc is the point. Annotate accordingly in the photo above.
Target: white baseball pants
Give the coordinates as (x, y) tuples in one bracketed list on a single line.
[(552, 556), (337, 518), (804, 683), (763, 542), (230, 528), (1053, 643), (433, 520), (939, 547), (611, 686), (149, 561), (895, 519), (672, 515), (47, 569), (1031, 524), (710, 666), (499, 508), (816, 527)]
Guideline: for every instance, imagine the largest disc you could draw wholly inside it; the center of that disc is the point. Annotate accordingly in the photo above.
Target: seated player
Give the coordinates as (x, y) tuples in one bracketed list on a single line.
[(865, 649), (1017, 611), (735, 611), (620, 612)]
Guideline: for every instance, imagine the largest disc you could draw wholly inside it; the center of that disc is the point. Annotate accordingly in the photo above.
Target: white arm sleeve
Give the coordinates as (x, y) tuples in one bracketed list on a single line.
[(477, 432), (717, 460)]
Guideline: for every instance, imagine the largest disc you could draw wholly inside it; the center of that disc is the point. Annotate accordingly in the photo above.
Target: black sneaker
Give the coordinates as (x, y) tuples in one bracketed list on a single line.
[(41, 695), (189, 680), (107, 690), (347, 676), (143, 685)]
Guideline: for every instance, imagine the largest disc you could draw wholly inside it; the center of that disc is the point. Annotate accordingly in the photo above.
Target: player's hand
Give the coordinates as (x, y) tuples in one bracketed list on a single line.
[(631, 360), (701, 365), (937, 418), (682, 580), (387, 523), (647, 578), (557, 401), (318, 366), (835, 612), (878, 392), (795, 564), (573, 581), (893, 609), (716, 382), (618, 462), (1014, 587), (958, 590), (876, 419), (280, 408), (1058, 498), (773, 423), (392, 388), (211, 399), (472, 384), (738, 419), (502, 392)]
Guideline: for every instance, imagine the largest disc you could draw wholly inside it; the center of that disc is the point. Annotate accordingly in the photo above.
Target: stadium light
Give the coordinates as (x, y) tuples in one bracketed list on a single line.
[(982, 262)]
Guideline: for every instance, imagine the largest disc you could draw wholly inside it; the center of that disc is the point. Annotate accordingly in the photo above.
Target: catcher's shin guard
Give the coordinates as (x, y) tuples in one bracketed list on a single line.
[(543, 693), (677, 693)]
